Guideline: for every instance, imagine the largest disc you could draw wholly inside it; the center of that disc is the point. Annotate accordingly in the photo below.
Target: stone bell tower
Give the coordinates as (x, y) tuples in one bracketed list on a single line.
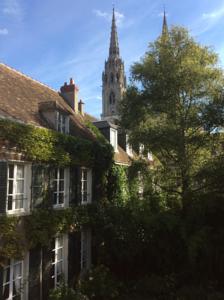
[(113, 77)]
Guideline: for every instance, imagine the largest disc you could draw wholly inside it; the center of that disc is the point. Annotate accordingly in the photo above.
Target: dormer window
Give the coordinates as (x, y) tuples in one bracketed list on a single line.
[(113, 138), (62, 123)]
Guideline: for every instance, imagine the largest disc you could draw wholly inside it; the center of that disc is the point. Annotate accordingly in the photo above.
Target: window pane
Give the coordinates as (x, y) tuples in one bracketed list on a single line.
[(55, 201), (19, 186), (84, 197), (17, 270), (61, 198), (61, 185), (10, 187), (62, 173), (59, 242), (19, 201), (17, 287), (11, 171), (84, 174), (6, 275), (55, 186), (5, 292), (20, 171), (9, 203), (52, 271), (59, 254), (59, 267), (85, 186)]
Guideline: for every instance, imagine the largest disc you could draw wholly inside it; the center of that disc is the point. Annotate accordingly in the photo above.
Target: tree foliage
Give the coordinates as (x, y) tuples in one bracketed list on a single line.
[(172, 107)]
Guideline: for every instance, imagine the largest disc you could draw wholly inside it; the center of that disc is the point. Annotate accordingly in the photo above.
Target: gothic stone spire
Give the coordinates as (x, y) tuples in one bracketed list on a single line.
[(114, 80), (165, 26), (114, 46)]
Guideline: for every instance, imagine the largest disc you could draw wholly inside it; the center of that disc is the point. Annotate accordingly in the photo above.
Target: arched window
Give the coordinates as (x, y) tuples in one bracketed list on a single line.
[(111, 77), (105, 78), (112, 98), (118, 77)]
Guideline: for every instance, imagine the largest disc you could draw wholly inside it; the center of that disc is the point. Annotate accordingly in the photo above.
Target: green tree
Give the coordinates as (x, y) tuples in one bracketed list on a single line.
[(172, 106)]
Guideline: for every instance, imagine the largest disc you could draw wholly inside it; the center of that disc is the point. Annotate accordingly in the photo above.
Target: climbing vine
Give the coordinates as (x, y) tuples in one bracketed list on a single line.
[(19, 234), (48, 146), (45, 146)]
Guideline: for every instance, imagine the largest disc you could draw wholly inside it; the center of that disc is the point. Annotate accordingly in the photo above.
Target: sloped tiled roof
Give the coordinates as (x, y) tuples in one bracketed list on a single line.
[(21, 97), (121, 157)]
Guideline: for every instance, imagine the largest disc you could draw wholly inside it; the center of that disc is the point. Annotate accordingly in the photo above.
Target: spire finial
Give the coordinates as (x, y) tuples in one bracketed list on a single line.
[(165, 26), (114, 47)]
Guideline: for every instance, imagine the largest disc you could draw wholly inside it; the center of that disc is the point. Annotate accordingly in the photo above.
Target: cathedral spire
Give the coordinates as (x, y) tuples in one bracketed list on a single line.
[(114, 46), (113, 77), (165, 26)]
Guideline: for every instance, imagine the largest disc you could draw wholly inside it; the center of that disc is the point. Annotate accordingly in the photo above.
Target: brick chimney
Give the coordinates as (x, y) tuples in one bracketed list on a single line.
[(70, 93), (81, 107)]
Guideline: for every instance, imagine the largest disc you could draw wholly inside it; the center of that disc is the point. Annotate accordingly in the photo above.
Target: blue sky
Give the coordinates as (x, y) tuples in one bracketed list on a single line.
[(53, 40)]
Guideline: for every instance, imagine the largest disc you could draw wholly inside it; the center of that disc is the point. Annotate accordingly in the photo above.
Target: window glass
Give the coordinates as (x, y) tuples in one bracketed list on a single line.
[(62, 123), (13, 280), (59, 186), (16, 187), (86, 177), (57, 261)]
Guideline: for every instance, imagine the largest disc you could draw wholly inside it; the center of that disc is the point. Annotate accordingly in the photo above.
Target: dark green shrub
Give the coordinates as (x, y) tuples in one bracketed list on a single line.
[(63, 292), (99, 284)]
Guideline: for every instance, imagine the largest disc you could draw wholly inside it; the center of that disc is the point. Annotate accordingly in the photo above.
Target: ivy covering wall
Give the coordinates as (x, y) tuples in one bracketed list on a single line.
[(47, 147)]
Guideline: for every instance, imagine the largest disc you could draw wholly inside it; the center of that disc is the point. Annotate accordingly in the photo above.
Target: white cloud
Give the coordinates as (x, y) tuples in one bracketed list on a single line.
[(4, 31), (214, 15), (208, 20), (12, 8), (108, 16)]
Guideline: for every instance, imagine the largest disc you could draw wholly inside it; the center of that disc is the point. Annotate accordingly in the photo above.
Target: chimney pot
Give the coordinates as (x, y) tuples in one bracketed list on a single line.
[(81, 107)]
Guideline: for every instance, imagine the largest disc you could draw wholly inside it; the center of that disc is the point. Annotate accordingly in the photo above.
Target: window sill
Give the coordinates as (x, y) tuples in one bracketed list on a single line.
[(21, 212), (59, 206)]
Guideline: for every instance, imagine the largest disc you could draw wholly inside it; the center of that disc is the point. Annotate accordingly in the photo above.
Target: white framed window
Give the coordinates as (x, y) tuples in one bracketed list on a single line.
[(59, 187), (59, 263), (15, 280), (86, 238), (86, 185), (18, 188), (62, 123), (113, 138)]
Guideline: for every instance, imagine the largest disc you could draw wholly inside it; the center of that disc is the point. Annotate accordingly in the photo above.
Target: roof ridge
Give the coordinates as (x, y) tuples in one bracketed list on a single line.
[(28, 77)]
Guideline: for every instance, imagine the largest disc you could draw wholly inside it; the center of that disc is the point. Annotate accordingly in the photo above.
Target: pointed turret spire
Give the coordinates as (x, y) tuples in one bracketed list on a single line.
[(114, 46), (165, 26)]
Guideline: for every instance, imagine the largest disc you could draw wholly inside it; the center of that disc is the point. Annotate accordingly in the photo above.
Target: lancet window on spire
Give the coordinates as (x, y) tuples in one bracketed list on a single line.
[(112, 98), (112, 78)]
